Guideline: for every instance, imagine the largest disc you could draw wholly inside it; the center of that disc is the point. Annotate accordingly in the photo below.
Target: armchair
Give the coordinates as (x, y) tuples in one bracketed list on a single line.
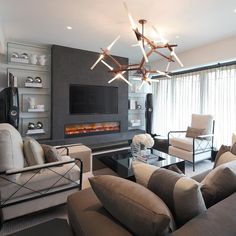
[(195, 148), (25, 189)]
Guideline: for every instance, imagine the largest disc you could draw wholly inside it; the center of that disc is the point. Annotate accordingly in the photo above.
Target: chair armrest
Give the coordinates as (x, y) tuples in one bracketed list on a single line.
[(179, 131), (205, 136), (38, 167), (174, 132)]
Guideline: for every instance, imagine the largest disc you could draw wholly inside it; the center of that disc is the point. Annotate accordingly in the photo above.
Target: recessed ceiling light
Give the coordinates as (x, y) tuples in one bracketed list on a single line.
[(177, 36), (235, 10), (69, 27)]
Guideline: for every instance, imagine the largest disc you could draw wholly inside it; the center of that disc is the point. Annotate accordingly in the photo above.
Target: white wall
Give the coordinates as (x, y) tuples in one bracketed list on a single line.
[(224, 50)]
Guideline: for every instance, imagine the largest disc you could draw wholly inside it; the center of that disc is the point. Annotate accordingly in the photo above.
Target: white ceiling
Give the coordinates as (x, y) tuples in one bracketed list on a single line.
[(96, 23)]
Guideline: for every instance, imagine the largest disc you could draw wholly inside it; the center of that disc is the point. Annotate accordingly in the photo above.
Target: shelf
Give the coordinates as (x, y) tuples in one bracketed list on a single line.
[(36, 110), (33, 85), (35, 131)]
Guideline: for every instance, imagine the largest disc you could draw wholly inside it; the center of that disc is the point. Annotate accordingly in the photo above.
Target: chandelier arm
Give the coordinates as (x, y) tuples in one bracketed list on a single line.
[(111, 57), (161, 54)]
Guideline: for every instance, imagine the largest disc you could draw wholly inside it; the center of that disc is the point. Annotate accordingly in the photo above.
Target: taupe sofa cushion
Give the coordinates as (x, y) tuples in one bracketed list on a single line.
[(181, 194), (219, 183), (137, 208), (218, 220), (87, 216)]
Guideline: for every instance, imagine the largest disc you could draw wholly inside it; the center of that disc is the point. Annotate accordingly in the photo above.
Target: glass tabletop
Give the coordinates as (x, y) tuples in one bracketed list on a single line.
[(124, 161)]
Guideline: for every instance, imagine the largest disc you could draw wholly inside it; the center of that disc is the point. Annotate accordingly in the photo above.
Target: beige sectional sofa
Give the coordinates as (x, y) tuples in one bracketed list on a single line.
[(25, 189)]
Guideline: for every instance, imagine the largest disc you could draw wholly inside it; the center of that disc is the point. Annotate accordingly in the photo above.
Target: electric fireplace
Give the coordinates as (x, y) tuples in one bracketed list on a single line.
[(76, 130)]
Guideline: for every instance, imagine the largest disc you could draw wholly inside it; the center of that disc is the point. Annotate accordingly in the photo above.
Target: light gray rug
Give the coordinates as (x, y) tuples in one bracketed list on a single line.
[(61, 212)]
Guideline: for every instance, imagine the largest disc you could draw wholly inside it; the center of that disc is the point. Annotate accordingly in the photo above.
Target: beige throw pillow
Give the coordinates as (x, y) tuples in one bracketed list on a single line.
[(33, 152), (194, 132), (134, 206), (225, 158), (219, 183)]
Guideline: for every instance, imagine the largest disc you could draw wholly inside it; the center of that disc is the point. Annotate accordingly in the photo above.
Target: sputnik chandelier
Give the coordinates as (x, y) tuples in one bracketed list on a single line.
[(148, 47)]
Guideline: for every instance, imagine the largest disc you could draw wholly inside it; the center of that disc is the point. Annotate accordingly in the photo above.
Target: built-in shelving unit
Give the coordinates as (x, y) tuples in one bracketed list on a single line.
[(137, 100), (28, 62)]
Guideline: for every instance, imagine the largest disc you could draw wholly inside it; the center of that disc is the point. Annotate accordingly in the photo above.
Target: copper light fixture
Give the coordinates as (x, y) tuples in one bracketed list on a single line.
[(151, 47)]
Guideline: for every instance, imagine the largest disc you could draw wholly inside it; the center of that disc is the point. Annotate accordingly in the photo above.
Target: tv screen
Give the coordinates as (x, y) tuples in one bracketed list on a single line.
[(90, 99)]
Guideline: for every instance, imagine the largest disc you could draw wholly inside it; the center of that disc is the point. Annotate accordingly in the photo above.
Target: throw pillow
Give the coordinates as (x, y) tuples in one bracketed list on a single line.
[(194, 132), (33, 152), (142, 172), (51, 154), (225, 158), (233, 149), (221, 151), (134, 206), (219, 183), (180, 193)]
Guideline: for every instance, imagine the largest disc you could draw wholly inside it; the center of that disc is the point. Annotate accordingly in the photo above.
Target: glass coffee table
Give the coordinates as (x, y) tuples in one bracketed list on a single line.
[(121, 161)]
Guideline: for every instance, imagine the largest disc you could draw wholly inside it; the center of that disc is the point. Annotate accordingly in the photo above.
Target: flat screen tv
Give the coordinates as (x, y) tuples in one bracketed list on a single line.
[(92, 99)]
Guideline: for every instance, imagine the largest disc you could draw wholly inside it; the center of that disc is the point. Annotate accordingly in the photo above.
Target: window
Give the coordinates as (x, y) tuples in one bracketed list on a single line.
[(204, 92)]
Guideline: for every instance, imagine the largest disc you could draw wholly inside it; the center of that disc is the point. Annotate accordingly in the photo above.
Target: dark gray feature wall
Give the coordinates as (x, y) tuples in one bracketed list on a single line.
[(72, 66)]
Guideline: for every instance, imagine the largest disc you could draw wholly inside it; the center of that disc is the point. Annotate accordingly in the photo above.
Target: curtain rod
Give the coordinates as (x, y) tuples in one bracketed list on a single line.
[(230, 63)]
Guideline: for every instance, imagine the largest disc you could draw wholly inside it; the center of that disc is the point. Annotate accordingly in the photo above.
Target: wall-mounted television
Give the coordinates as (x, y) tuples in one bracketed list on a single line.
[(93, 99)]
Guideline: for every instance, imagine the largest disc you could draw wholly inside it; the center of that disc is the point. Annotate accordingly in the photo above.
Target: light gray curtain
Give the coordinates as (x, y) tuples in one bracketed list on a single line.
[(204, 92)]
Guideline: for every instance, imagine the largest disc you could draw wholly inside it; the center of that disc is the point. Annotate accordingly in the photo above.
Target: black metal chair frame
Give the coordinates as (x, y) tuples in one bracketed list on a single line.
[(199, 149), (35, 170)]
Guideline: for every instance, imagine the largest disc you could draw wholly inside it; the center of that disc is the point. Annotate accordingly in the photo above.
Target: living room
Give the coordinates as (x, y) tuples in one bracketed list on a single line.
[(98, 98)]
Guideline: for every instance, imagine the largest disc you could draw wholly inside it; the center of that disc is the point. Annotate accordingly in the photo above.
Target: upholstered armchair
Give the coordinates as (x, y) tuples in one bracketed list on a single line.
[(196, 143), (27, 188)]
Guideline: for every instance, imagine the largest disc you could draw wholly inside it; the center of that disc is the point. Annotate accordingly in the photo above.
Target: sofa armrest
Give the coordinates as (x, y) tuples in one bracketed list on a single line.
[(38, 167)]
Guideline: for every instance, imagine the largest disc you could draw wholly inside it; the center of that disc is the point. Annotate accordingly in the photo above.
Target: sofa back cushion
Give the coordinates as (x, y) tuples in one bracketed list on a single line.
[(134, 206), (219, 183), (33, 151), (11, 148), (202, 122), (180, 193)]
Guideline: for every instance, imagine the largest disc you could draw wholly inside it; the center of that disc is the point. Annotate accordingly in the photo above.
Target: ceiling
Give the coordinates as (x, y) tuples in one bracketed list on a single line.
[(96, 24)]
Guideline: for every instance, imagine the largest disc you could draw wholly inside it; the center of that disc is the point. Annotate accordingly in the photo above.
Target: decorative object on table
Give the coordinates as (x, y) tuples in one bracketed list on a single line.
[(42, 60), (151, 47), (141, 145), (34, 59)]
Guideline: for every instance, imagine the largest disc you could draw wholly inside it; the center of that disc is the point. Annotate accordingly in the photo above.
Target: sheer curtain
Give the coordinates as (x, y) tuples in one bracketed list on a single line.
[(203, 92)]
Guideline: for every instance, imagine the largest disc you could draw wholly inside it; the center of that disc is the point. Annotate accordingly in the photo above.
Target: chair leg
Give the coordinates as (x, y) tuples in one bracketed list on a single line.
[(193, 166)]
